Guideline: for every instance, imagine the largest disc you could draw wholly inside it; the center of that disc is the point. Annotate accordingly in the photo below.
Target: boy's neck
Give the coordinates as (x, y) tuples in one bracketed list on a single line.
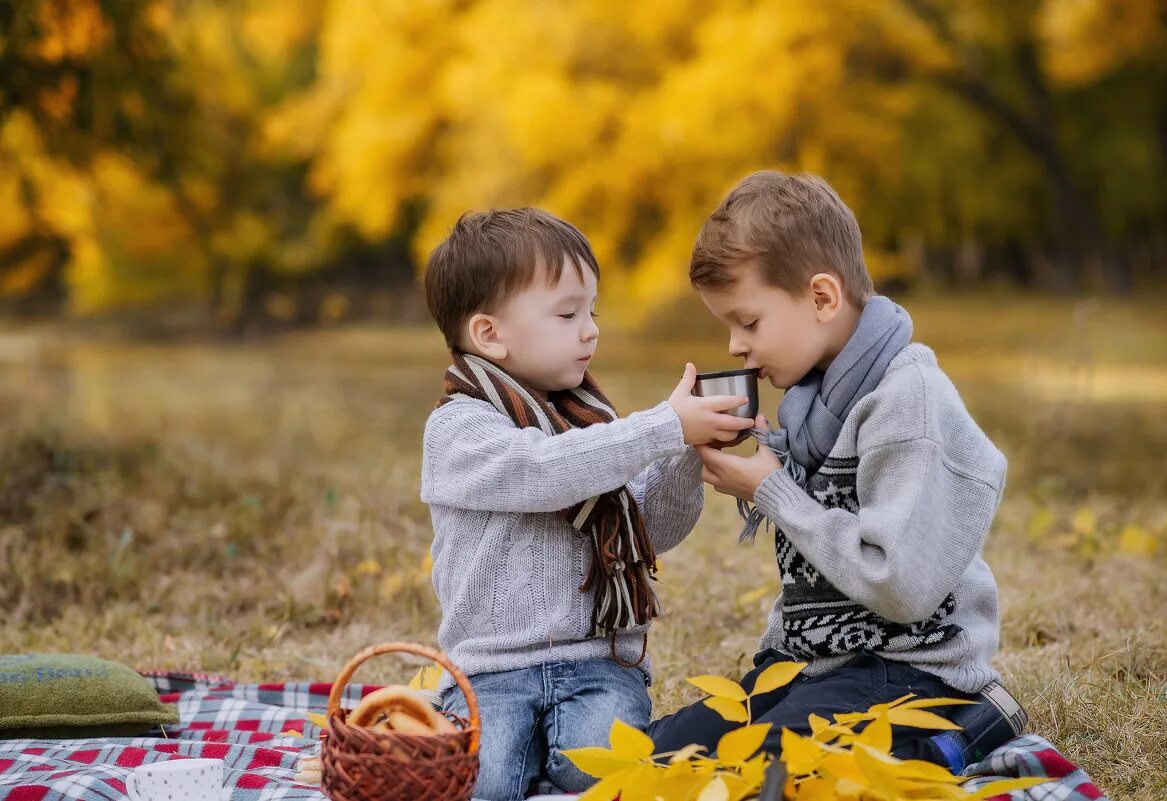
[(843, 327), (538, 393)]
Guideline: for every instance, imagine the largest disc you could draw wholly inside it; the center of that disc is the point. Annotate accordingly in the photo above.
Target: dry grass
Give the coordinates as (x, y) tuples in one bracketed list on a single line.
[(211, 507)]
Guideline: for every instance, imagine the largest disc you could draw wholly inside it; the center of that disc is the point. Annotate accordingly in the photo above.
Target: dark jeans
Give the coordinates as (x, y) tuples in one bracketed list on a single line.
[(865, 681)]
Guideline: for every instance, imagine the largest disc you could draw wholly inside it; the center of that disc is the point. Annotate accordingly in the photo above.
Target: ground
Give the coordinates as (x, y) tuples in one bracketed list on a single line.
[(252, 508)]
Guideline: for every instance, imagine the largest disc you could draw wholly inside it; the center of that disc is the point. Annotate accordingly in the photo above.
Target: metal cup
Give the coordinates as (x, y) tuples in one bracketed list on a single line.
[(731, 382)]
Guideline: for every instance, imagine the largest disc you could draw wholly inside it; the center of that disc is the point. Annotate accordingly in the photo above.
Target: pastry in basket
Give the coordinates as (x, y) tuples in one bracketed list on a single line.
[(398, 708)]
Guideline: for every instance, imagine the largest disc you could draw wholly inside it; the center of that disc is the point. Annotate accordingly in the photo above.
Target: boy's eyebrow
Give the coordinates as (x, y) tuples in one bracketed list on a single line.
[(575, 297)]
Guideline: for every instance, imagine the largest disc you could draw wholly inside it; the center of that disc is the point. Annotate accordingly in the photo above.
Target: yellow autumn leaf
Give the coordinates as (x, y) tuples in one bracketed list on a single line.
[(715, 790), (368, 567), (737, 787), (391, 585), (879, 769), (824, 731), (690, 750), (604, 790), (922, 703), (847, 790), (903, 699), (426, 569), (802, 755), (639, 783), (733, 711), (918, 718), (629, 742), (817, 789), (841, 765), (598, 762), (741, 744), (678, 780), (427, 678), (1041, 522), (318, 719), (1085, 522), (753, 772), (877, 734), (292, 733), (753, 596), (777, 675), (1136, 540), (718, 686), (1006, 786), (918, 769)]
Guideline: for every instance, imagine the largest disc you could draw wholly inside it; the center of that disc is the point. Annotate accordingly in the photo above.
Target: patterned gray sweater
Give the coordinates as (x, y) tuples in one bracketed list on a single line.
[(882, 550), (507, 564)]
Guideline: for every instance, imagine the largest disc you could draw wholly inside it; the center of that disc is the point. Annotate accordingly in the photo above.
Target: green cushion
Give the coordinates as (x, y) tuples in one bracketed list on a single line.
[(69, 696)]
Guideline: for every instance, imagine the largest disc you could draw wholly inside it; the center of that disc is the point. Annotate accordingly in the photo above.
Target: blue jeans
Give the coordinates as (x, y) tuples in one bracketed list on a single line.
[(531, 716)]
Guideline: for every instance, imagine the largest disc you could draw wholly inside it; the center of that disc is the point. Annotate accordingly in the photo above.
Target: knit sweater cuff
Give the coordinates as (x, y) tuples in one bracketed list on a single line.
[(783, 501), (660, 430)]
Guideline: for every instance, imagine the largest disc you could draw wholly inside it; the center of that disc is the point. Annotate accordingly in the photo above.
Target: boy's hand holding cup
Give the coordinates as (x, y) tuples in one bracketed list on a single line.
[(713, 418)]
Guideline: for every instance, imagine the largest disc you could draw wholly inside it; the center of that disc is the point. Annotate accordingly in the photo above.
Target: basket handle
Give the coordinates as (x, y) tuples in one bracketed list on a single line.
[(460, 679)]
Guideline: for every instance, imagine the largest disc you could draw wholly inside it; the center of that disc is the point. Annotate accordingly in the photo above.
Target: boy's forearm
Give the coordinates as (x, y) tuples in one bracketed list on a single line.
[(671, 496), (917, 529), (481, 461)]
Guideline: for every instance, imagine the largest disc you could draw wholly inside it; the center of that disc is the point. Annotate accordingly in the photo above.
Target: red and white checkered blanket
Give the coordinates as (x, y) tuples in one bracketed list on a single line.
[(242, 723), (238, 723), (1030, 755)]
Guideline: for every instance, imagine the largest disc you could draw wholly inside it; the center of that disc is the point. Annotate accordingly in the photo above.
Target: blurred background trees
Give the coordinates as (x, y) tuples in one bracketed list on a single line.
[(227, 162)]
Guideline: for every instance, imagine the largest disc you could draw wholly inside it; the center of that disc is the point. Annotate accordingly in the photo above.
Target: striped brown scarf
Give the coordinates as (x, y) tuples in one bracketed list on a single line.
[(623, 561)]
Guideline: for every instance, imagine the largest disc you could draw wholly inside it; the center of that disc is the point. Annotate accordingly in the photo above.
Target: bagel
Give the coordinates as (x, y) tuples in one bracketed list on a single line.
[(398, 708)]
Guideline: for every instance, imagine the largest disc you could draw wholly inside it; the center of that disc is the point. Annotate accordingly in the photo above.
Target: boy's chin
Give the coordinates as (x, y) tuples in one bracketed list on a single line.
[(569, 379)]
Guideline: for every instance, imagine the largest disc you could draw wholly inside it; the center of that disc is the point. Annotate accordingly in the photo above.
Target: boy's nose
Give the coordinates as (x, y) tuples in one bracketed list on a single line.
[(737, 350), (591, 331)]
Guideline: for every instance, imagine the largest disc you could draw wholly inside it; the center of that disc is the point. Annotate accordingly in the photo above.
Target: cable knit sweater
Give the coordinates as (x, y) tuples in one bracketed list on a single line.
[(507, 564), (882, 550)]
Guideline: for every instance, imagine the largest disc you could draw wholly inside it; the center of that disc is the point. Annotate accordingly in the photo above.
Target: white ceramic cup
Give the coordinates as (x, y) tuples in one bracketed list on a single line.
[(177, 780)]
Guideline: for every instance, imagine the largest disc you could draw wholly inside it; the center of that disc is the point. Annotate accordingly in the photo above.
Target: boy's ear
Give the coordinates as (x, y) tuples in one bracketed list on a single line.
[(828, 296), (482, 330)]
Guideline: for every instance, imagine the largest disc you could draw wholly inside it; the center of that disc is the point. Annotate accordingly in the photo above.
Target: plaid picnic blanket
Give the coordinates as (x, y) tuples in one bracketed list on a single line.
[(243, 725), (238, 723), (1030, 755)]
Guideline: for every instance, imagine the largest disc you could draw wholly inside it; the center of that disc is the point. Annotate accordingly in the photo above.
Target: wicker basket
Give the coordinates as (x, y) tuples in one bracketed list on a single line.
[(363, 765)]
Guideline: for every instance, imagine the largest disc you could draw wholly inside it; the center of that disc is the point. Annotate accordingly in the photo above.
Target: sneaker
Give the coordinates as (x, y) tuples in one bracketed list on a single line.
[(985, 726)]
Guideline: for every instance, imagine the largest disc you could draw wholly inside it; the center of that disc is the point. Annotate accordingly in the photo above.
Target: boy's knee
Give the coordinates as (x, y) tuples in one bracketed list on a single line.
[(565, 775)]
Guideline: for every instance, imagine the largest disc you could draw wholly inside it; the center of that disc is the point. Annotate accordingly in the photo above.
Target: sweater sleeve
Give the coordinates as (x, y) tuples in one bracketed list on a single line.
[(670, 495), (475, 458), (920, 523)]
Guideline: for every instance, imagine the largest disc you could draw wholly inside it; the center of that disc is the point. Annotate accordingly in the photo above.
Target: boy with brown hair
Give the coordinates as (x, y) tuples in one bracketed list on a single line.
[(548, 509), (879, 485)]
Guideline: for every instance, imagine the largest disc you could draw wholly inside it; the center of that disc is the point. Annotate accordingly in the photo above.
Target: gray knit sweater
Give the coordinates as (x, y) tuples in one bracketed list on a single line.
[(882, 550), (507, 564)]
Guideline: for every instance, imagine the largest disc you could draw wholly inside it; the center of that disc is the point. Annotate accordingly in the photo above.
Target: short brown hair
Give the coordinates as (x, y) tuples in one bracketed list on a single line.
[(492, 254), (793, 226)]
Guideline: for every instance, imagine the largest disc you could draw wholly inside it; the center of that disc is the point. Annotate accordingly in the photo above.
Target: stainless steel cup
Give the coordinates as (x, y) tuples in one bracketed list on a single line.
[(731, 382)]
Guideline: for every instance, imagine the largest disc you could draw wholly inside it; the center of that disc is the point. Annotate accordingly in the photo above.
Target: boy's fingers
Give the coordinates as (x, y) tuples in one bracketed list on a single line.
[(688, 379), (720, 403), (728, 422)]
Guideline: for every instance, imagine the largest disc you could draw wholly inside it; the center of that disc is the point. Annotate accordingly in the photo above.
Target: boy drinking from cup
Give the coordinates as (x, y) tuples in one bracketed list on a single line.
[(878, 483)]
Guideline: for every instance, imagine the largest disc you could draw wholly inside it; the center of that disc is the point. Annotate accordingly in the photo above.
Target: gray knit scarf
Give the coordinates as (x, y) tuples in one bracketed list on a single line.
[(812, 411)]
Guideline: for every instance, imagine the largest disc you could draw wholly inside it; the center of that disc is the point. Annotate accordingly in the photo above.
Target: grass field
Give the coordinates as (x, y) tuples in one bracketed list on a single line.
[(252, 508)]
